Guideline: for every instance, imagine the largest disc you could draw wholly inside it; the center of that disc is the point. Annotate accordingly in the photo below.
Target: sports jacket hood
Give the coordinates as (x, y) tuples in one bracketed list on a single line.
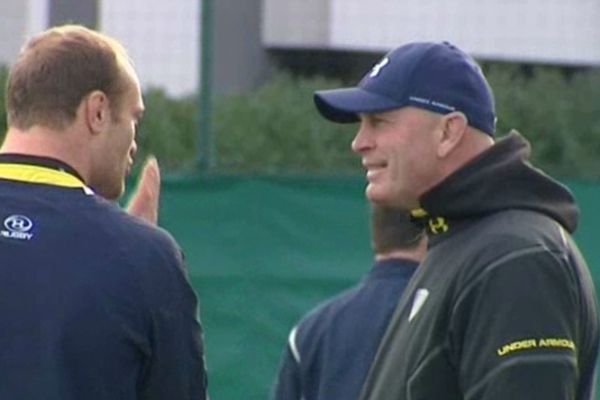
[(501, 178)]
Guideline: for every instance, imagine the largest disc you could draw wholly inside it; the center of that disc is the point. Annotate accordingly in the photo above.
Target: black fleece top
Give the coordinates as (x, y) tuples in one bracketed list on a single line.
[(503, 307)]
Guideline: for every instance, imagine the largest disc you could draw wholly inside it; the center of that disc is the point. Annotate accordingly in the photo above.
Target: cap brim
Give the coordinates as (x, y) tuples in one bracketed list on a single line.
[(344, 105)]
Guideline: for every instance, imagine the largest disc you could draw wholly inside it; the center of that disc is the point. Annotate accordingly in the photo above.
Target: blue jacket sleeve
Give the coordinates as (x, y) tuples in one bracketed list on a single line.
[(288, 384), (175, 367)]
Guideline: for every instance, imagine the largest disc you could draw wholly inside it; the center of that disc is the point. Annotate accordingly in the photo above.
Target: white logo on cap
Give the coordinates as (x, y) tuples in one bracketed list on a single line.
[(377, 67)]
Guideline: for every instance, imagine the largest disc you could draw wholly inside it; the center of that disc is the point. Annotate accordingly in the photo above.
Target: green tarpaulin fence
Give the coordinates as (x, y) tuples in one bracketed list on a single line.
[(261, 251)]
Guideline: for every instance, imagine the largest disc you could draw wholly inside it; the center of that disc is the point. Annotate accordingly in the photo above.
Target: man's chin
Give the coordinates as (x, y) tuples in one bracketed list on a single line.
[(377, 196), (387, 198)]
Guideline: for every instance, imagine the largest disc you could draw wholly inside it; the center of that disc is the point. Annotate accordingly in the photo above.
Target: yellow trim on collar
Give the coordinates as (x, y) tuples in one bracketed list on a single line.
[(418, 213), (37, 174)]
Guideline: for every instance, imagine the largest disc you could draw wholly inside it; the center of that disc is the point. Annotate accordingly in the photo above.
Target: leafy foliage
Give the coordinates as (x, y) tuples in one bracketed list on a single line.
[(558, 114), (168, 131), (276, 129)]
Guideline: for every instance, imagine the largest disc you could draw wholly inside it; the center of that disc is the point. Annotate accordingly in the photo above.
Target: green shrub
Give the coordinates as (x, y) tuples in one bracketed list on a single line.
[(558, 114), (276, 129), (168, 131)]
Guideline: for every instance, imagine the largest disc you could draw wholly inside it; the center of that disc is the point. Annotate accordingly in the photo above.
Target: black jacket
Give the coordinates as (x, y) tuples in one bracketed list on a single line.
[(503, 307)]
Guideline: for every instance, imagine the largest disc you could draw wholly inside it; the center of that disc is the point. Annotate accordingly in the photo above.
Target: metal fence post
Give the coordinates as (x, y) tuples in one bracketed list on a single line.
[(206, 150)]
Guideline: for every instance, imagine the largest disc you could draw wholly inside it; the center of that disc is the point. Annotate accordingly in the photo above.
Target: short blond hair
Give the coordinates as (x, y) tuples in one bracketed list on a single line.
[(56, 69)]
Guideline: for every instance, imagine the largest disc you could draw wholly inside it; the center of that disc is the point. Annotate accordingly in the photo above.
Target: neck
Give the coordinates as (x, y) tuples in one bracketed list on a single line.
[(415, 254), (473, 143), (40, 141)]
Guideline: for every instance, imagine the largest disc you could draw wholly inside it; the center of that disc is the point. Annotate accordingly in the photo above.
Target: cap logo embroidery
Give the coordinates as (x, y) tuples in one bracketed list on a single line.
[(434, 103), (377, 67)]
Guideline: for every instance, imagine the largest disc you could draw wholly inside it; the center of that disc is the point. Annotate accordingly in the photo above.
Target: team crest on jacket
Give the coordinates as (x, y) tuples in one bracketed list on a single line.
[(421, 296), (17, 227)]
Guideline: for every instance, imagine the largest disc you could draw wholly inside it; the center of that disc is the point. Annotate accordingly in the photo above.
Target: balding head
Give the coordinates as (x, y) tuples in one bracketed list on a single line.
[(56, 69)]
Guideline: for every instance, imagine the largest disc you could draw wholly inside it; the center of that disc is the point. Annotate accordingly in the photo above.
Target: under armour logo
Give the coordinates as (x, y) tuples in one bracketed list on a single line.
[(377, 68), (438, 225)]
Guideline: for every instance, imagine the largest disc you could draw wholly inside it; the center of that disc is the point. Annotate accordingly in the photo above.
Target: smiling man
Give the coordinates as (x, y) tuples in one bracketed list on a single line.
[(95, 302), (503, 306)]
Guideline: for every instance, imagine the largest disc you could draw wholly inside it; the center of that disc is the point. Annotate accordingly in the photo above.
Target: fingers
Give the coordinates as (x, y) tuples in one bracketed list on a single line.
[(144, 201)]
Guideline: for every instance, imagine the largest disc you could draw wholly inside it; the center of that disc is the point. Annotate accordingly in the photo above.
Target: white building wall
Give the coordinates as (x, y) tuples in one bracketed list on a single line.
[(300, 23), (19, 20), (162, 39), (553, 31), (37, 17), (12, 28)]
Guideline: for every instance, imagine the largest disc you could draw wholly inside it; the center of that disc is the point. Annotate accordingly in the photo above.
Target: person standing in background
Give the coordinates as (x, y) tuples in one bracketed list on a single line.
[(330, 350)]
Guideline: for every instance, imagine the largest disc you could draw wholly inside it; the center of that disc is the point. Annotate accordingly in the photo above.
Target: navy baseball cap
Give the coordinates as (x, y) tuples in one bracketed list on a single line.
[(438, 77)]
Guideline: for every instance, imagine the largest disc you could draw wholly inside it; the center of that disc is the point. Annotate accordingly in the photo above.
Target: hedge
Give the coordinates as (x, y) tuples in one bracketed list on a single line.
[(558, 112), (275, 129)]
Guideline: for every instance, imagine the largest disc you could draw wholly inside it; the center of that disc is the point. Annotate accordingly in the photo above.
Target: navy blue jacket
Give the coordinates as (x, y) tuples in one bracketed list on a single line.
[(94, 304), (330, 351)]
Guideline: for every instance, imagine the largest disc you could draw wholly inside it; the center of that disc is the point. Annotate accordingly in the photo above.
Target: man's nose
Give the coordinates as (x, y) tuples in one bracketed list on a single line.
[(362, 141), (133, 149)]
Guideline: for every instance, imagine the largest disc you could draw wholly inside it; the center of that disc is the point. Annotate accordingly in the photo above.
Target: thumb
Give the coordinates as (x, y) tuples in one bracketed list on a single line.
[(144, 201)]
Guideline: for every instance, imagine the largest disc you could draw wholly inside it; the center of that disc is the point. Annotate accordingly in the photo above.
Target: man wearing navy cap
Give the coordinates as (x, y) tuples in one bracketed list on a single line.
[(503, 307)]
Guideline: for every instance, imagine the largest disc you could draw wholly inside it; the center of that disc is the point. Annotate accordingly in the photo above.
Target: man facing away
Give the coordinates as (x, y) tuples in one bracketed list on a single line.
[(95, 303), (330, 351), (503, 307)]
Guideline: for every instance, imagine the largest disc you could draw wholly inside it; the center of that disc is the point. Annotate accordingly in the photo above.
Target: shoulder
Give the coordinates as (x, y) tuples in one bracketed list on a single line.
[(136, 234), (327, 310), (148, 252), (520, 235), (319, 321), (513, 249), (506, 248), (507, 236), (521, 228), (372, 297)]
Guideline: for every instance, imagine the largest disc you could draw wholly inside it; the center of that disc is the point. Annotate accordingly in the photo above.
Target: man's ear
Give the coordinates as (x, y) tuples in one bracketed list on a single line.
[(96, 111), (454, 126)]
